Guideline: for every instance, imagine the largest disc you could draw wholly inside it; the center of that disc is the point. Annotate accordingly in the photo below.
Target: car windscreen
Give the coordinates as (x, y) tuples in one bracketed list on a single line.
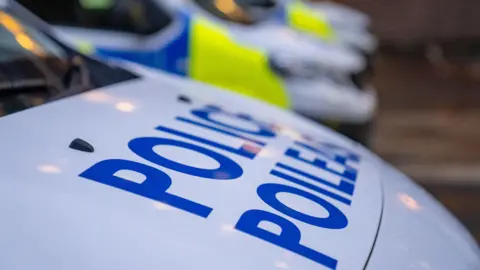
[(35, 68), (239, 11), (142, 17)]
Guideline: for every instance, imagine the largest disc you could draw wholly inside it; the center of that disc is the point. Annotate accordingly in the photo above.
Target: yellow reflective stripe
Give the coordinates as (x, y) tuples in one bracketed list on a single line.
[(217, 59), (302, 18)]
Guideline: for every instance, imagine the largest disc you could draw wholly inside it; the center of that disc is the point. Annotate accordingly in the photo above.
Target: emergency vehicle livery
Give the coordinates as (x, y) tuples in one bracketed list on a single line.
[(280, 26), (329, 22), (117, 166), (191, 46), (253, 18)]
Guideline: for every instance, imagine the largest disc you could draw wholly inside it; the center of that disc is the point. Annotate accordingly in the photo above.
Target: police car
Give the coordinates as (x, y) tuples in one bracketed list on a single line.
[(290, 30), (351, 27), (146, 32), (252, 23), (305, 18), (109, 168), (257, 21)]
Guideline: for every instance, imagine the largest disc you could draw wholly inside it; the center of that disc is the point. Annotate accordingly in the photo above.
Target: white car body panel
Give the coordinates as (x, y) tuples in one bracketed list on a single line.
[(418, 233), (55, 219), (91, 226)]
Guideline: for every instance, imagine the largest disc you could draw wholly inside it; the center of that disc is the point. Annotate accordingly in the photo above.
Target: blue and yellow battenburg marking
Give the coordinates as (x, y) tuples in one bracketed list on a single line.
[(205, 52), (299, 16)]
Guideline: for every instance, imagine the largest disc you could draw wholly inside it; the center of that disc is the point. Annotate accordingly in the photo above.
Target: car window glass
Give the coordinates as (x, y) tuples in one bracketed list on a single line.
[(143, 17), (35, 68)]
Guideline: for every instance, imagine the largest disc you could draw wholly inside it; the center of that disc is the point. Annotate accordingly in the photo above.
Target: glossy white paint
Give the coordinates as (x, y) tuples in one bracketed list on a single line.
[(417, 233), (54, 219)]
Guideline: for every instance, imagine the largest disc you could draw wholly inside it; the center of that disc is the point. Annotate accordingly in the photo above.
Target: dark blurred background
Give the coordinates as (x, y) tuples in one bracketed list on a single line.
[(428, 79)]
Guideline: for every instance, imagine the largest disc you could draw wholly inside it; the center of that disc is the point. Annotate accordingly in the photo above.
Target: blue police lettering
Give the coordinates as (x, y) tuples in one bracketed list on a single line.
[(311, 187), (143, 147), (348, 154), (220, 130), (348, 172), (340, 154), (157, 182), (206, 114), (289, 237), (335, 220), (343, 186), (154, 187), (246, 150)]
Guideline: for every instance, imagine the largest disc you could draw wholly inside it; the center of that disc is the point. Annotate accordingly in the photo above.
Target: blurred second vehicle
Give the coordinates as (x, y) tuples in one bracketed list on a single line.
[(187, 45)]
